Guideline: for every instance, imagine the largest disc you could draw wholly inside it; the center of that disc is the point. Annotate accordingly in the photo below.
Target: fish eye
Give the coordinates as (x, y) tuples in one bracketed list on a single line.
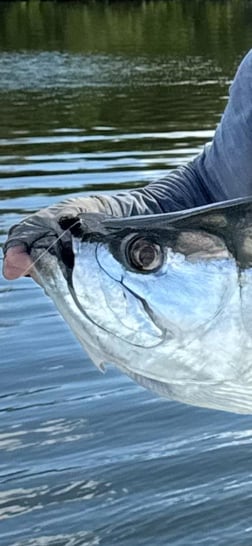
[(143, 254)]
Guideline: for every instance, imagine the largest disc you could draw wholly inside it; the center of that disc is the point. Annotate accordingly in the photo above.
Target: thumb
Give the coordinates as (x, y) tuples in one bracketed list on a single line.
[(16, 263)]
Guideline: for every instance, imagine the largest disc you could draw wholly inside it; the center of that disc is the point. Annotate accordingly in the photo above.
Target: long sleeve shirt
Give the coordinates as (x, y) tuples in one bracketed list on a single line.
[(223, 170)]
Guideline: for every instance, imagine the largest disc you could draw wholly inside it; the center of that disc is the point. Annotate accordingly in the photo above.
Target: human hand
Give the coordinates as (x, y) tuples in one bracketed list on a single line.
[(44, 225)]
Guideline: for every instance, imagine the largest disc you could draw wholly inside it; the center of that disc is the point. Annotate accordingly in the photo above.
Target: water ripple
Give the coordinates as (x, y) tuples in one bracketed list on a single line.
[(82, 538)]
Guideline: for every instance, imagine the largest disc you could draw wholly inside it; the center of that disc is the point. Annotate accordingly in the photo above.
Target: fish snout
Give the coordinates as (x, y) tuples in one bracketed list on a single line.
[(58, 246)]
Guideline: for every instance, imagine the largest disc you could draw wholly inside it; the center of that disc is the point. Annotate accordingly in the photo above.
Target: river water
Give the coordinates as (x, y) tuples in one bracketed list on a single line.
[(95, 98)]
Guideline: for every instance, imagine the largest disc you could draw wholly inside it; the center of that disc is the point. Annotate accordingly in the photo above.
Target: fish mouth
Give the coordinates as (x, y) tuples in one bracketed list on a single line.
[(51, 245)]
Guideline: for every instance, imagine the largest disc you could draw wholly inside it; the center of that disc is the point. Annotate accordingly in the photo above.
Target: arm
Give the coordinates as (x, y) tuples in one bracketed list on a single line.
[(222, 171), (178, 190)]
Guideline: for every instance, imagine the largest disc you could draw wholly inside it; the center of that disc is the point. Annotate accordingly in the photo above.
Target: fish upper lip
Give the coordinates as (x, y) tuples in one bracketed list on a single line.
[(61, 248)]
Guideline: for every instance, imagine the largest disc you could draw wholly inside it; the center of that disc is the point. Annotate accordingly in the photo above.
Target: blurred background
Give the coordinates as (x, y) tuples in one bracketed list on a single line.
[(97, 97)]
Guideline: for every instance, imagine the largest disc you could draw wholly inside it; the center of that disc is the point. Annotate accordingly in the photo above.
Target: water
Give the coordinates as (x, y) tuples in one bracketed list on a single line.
[(95, 98)]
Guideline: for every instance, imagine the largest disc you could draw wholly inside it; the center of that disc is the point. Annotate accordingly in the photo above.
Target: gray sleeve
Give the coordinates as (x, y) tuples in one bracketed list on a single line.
[(179, 189), (226, 163), (222, 171)]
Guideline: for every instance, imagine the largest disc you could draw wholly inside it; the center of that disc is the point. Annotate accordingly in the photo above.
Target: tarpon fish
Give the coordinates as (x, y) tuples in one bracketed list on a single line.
[(166, 298)]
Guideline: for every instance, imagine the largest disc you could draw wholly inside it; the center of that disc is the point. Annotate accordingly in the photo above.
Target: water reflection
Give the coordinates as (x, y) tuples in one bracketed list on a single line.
[(84, 538), (129, 28), (101, 97), (25, 500), (59, 71)]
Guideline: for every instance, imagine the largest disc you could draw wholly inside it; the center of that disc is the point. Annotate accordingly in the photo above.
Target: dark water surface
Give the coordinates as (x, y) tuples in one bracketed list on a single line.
[(95, 98)]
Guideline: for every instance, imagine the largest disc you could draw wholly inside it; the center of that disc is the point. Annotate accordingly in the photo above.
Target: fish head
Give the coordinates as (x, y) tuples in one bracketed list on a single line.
[(143, 284), (157, 296)]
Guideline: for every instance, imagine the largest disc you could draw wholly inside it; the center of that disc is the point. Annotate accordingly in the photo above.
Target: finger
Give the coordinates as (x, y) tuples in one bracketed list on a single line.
[(16, 263)]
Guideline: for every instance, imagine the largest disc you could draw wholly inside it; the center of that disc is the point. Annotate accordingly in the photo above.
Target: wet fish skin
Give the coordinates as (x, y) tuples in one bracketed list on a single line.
[(183, 330)]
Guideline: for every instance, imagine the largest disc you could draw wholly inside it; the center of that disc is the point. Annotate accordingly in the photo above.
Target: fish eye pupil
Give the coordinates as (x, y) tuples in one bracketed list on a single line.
[(144, 255)]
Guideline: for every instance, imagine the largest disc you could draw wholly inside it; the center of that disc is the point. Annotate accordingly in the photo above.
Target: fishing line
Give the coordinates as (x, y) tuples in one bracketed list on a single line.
[(47, 249)]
